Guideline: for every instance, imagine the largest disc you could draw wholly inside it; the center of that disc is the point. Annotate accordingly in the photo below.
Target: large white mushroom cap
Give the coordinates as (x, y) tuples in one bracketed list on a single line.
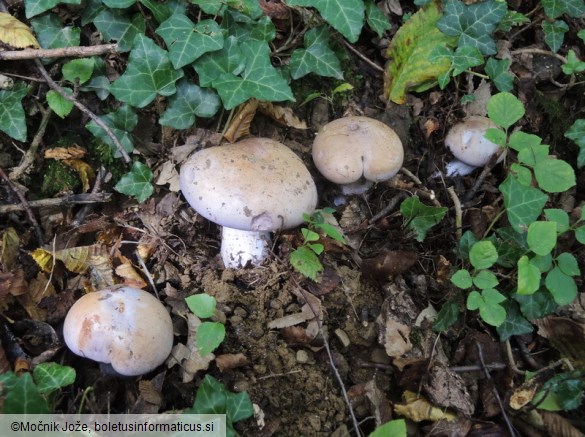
[(467, 141), (122, 326), (351, 148), (257, 184)]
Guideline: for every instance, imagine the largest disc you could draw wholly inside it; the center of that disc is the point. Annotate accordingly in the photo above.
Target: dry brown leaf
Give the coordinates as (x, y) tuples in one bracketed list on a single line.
[(127, 272), (388, 263), (145, 250), (240, 123), (85, 172), (282, 114), (566, 335), (419, 409), (556, 425), (275, 9), (395, 337), (9, 249), (447, 389), (443, 270), (61, 153), (231, 361), (168, 174), (15, 33)]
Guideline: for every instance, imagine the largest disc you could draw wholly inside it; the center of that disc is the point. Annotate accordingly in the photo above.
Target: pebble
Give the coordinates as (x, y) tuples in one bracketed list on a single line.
[(343, 337)]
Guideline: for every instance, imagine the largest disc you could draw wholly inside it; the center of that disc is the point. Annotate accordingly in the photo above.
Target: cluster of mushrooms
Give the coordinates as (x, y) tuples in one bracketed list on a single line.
[(250, 188)]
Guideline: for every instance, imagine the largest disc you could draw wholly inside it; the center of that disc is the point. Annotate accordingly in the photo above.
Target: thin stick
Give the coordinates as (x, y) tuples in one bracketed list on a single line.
[(386, 210), (458, 212), (65, 52), (70, 200), (484, 173), (83, 109), (362, 57), (26, 207), (535, 51), (85, 210)]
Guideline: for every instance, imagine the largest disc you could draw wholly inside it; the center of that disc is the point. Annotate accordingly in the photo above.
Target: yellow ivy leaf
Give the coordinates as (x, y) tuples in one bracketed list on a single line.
[(409, 67), (15, 33), (84, 171)]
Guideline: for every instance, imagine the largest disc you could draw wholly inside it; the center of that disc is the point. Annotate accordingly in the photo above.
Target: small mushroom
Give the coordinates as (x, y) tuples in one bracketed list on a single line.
[(357, 151), (467, 141), (251, 188), (122, 326)]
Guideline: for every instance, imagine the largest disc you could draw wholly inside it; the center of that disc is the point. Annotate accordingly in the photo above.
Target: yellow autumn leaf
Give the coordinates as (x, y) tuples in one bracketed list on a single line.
[(131, 277), (85, 172), (417, 409), (15, 33)]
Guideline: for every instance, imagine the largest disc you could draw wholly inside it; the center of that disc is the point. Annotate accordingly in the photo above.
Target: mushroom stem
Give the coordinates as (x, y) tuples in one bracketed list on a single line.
[(240, 247), (355, 188)]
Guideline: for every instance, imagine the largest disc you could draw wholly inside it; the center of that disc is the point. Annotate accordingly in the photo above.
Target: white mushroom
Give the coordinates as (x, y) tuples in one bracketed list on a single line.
[(357, 151), (122, 326), (467, 141), (251, 188)]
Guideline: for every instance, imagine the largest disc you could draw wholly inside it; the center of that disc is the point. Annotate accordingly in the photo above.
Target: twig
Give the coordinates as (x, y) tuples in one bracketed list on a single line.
[(83, 109), (495, 391), (484, 173), (147, 273), (73, 199), (458, 212), (386, 210), (476, 368), (97, 186), (422, 191), (362, 57), (65, 52), (535, 51), (31, 153), (26, 207)]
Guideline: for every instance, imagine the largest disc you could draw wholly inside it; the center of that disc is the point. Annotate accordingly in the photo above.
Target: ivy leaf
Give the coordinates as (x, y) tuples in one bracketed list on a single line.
[(317, 57), (345, 16), (36, 7), (499, 74), (52, 35), (78, 69), (120, 4), (483, 254), (542, 237), (376, 18), (577, 133), (505, 109), (514, 324), (447, 316), (160, 11), (60, 105), (24, 398), (239, 406), (464, 58), (187, 41), (473, 24), (554, 33), (410, 50), (188, 102), (420, 217), (52, 376), (149, 73), (202, 305), (115, 25), (523, 204), (121, 122), (12, 116), (554, 175), (462, 279), (561, 286), (573, 64), (568, 264), (230, 59), (528, 276), (137, 182), (536, 305), (209, 336), (555, 8)]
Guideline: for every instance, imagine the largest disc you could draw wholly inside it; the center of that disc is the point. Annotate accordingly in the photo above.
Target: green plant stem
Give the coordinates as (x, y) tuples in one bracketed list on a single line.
[(475, 73), (83, 399)]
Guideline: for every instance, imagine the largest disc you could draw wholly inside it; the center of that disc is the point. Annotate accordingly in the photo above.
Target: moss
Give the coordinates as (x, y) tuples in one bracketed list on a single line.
[(59, 178), (100, 153)]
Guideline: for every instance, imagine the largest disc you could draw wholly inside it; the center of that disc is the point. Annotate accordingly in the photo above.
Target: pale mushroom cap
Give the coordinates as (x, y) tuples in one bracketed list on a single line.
[(122, 326), (350, 148), (467, 142), (256, 184)]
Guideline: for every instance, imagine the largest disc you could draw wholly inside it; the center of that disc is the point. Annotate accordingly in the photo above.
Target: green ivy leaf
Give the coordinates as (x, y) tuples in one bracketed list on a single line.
[(121, 122), (447, 316), (561, 286), (485, 279), (149, 73), (580, 234), (554, 175), (521, 140), (420, 217), (305, 261), (52, 35), (577, 133), (536, 305), (211, 397), (542, 237), (12, 116), (554, 33), (120, 4), (534, 154), (78, 69), (24, 398), (188, 102), (160, 11), (52, 376), (317, 57), (36, 7), (514, 324), (376, 18), (239, 406), (137, 182), (115, 25), (250, 8), (555, 8), (562, 392), (462, 279), (573, 64), (187, 41), (511, 19), (528, 276), (523, 204), (473, 24), (345, 16), (465, 58), (522, 174), (567, 263), (227, 60), (488, 303), (60, 105), (505, 109), (394, 428), (209, 336), (559, 217), (483, 254), (202, 305), (498, 71)]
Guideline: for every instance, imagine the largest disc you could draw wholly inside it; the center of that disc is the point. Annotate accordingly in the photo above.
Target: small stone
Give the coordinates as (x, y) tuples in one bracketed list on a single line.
[(302, 356), (379, 356), (242, 385), (236, 320), (343, 337)]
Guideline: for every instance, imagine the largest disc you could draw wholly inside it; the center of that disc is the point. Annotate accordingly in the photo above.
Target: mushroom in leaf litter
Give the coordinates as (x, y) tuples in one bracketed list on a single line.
[(123, 326), (251, 188), (357, 151)]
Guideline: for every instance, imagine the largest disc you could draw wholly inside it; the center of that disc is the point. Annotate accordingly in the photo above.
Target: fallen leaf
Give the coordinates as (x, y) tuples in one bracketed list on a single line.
[(240, 124), (395, 337), (168, 174), (15, 33), (85, 172), (9, 250), (418, 409), (566, 335), (61, 153), (128, 273), (282, 114), (388, 263), (231, 361), (447, 389)]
